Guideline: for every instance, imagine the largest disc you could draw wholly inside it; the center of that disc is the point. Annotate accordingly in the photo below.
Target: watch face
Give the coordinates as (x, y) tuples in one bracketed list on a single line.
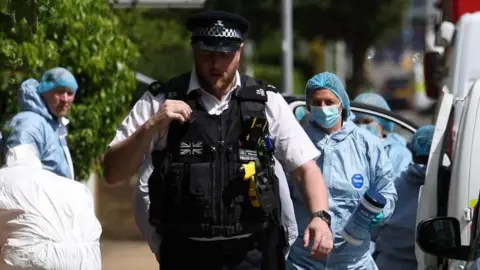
[(323, 215)]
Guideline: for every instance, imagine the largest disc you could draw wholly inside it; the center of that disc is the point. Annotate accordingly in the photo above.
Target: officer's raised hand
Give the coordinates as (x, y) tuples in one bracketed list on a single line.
[(171, 110), (319, 231)]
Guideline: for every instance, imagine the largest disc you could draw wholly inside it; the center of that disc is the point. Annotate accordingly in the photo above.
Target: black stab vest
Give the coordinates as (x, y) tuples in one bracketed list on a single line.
[(195, 188)]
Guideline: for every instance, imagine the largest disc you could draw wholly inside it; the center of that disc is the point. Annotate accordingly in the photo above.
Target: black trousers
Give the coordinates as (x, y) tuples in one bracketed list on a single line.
[(179, 252)]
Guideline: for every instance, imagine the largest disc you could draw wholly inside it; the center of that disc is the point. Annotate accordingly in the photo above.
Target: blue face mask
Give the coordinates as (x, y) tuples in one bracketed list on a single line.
[(326, 116), (371, 127)]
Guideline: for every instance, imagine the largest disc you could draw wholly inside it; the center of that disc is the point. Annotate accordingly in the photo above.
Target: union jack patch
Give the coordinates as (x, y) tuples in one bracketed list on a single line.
[(191, 148)]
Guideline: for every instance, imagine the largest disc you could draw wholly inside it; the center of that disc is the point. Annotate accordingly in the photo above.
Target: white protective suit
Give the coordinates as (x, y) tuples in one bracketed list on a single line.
[(46, 221)]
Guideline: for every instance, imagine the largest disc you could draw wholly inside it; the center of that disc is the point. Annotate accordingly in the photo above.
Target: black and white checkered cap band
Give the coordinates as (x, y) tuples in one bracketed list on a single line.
[(216, 31)]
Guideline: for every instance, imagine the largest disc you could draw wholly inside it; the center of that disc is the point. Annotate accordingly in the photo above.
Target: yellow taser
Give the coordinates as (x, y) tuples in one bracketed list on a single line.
[(250, 171)]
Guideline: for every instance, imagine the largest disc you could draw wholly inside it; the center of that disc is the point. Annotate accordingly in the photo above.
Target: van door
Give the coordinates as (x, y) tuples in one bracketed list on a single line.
[(463, 191), (428, 199)]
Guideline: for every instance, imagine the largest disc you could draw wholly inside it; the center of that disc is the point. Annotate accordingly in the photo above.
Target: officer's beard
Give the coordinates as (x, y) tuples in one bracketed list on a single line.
[(217, 86)]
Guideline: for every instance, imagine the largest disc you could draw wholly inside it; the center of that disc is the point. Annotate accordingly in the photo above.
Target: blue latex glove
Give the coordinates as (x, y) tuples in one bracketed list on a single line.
[(376, 220)]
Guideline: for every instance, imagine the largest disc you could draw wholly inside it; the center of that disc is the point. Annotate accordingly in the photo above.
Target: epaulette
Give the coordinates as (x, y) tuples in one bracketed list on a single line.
[(268, 87), (253, 92), (155, 88), (271, 88)]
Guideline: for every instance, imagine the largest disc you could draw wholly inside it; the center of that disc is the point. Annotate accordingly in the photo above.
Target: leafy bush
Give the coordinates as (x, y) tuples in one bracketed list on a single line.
[(163, 41), (273, 75), (85, 37)]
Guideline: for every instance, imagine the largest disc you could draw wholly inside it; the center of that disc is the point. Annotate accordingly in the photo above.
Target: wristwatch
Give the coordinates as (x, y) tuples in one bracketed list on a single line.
[(324, 215)]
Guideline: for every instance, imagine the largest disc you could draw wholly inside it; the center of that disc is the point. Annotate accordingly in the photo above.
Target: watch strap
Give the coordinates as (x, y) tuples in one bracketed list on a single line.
[(324, 215)]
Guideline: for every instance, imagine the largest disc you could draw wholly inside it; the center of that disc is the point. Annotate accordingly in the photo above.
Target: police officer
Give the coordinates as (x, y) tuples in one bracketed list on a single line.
[(206, 143)]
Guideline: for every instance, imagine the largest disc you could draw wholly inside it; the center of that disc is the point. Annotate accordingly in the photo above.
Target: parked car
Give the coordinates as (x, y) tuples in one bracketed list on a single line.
[(399, 92)]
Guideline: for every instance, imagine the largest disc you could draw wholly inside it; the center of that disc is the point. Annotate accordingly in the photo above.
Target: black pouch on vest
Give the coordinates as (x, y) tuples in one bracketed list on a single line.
[(265, 193), (173, 184)]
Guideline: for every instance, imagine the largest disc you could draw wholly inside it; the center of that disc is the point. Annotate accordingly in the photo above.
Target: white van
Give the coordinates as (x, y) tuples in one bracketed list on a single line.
[(451, 192)]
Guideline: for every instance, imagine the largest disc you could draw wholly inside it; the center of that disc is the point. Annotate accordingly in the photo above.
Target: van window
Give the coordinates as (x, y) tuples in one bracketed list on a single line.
[(449, 136), (445, 172), (405, 133)]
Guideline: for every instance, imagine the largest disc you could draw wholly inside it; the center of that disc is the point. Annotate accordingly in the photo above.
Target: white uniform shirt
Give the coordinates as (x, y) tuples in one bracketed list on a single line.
[(293, 149)]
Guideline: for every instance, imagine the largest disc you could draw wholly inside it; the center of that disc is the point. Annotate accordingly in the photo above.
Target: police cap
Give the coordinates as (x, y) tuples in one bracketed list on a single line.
[(217, 31)]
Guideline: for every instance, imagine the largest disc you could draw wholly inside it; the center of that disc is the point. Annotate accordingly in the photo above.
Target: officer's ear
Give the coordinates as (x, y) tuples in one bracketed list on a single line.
[(238, 53), (240, 49)]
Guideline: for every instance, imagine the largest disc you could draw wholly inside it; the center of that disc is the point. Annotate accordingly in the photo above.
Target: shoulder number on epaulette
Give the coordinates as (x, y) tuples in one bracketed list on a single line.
[(260, 92), (155, 88), (268, 87)]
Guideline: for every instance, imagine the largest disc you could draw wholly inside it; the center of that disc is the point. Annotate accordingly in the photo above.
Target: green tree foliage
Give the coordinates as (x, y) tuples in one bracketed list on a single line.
[(85, 37), (268, 64), (358, 23), (273, 75), (162, 39)]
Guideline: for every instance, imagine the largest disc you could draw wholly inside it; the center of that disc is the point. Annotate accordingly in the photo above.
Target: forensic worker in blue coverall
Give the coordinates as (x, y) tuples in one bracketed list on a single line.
[(394, 144), (395, 245), (39, 130), (352, 161)]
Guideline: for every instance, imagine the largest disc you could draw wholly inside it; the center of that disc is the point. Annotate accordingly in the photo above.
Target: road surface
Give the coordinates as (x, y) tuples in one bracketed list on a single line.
[(127, 255)]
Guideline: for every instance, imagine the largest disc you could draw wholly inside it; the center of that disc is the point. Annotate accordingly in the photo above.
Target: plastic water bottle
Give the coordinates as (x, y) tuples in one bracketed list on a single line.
[(357, 228)]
